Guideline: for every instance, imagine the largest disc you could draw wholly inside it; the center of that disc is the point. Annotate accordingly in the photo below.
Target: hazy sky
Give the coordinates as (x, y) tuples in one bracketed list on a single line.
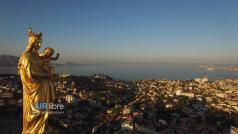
[(112, 31)]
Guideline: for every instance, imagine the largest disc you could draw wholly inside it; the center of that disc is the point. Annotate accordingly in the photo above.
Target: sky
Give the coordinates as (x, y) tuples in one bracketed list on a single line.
[(125, 31)]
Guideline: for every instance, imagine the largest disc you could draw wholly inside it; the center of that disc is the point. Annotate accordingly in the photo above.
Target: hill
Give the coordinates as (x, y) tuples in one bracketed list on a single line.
[(8, 60)]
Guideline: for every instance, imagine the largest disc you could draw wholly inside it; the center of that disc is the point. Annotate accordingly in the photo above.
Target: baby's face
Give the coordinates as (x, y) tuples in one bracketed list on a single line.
[(48, 55)]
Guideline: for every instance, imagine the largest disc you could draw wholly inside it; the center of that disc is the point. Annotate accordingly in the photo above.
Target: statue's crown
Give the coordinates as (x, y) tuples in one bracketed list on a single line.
[(31, 33)]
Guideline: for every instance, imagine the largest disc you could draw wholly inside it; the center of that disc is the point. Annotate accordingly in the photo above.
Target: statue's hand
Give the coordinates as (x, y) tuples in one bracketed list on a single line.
[(55, 58), (57, 55)]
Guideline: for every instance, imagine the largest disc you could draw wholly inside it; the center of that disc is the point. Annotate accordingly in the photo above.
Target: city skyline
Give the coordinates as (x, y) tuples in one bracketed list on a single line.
[(125, 31)]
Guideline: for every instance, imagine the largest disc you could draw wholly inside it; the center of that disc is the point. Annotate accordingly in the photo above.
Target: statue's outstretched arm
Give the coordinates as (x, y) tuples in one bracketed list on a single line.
[(55, 58)]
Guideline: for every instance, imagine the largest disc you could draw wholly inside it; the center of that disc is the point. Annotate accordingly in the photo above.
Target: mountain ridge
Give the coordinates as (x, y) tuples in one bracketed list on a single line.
[(12, 61), (8, 60)]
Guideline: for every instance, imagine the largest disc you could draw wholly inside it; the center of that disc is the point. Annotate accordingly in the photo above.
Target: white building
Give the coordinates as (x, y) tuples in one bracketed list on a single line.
[(202, 80)]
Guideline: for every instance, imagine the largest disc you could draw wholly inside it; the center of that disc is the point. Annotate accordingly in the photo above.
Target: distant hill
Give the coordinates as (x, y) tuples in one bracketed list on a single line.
[(8, 60), (12, 61), (66, 64)]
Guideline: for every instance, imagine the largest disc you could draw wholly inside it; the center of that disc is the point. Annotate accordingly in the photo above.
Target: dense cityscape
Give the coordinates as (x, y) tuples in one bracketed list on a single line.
[(99, 104)]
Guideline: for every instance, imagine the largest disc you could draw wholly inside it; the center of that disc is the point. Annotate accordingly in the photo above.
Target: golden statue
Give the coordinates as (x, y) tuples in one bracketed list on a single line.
[(37, 85)]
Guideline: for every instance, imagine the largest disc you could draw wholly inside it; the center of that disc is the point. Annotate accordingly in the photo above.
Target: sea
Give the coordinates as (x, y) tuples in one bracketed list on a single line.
[(167, 71)]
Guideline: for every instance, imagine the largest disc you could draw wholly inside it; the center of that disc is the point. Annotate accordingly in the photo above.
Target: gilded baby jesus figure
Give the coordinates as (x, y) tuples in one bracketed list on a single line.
[(46, 58)]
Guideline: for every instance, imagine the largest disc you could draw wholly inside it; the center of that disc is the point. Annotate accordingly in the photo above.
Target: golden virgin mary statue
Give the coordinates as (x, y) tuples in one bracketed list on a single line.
[(37, 86)]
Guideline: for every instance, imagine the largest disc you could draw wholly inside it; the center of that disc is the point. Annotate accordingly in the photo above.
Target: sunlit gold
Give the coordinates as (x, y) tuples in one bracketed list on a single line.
[(37, 86)]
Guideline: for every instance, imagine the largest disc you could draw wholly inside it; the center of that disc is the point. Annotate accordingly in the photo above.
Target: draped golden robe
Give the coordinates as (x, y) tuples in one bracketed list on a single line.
[(36, 89)]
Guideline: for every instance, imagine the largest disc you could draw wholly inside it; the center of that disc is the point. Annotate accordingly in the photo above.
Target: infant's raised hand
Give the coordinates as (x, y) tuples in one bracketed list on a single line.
[(57, 55)]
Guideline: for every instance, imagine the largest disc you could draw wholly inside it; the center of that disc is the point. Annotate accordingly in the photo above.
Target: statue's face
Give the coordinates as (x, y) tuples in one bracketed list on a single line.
[(38, 44), (34, 40)]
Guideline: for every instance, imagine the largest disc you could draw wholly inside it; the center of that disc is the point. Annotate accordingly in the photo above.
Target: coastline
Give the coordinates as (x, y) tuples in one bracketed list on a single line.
[(219, 67)]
